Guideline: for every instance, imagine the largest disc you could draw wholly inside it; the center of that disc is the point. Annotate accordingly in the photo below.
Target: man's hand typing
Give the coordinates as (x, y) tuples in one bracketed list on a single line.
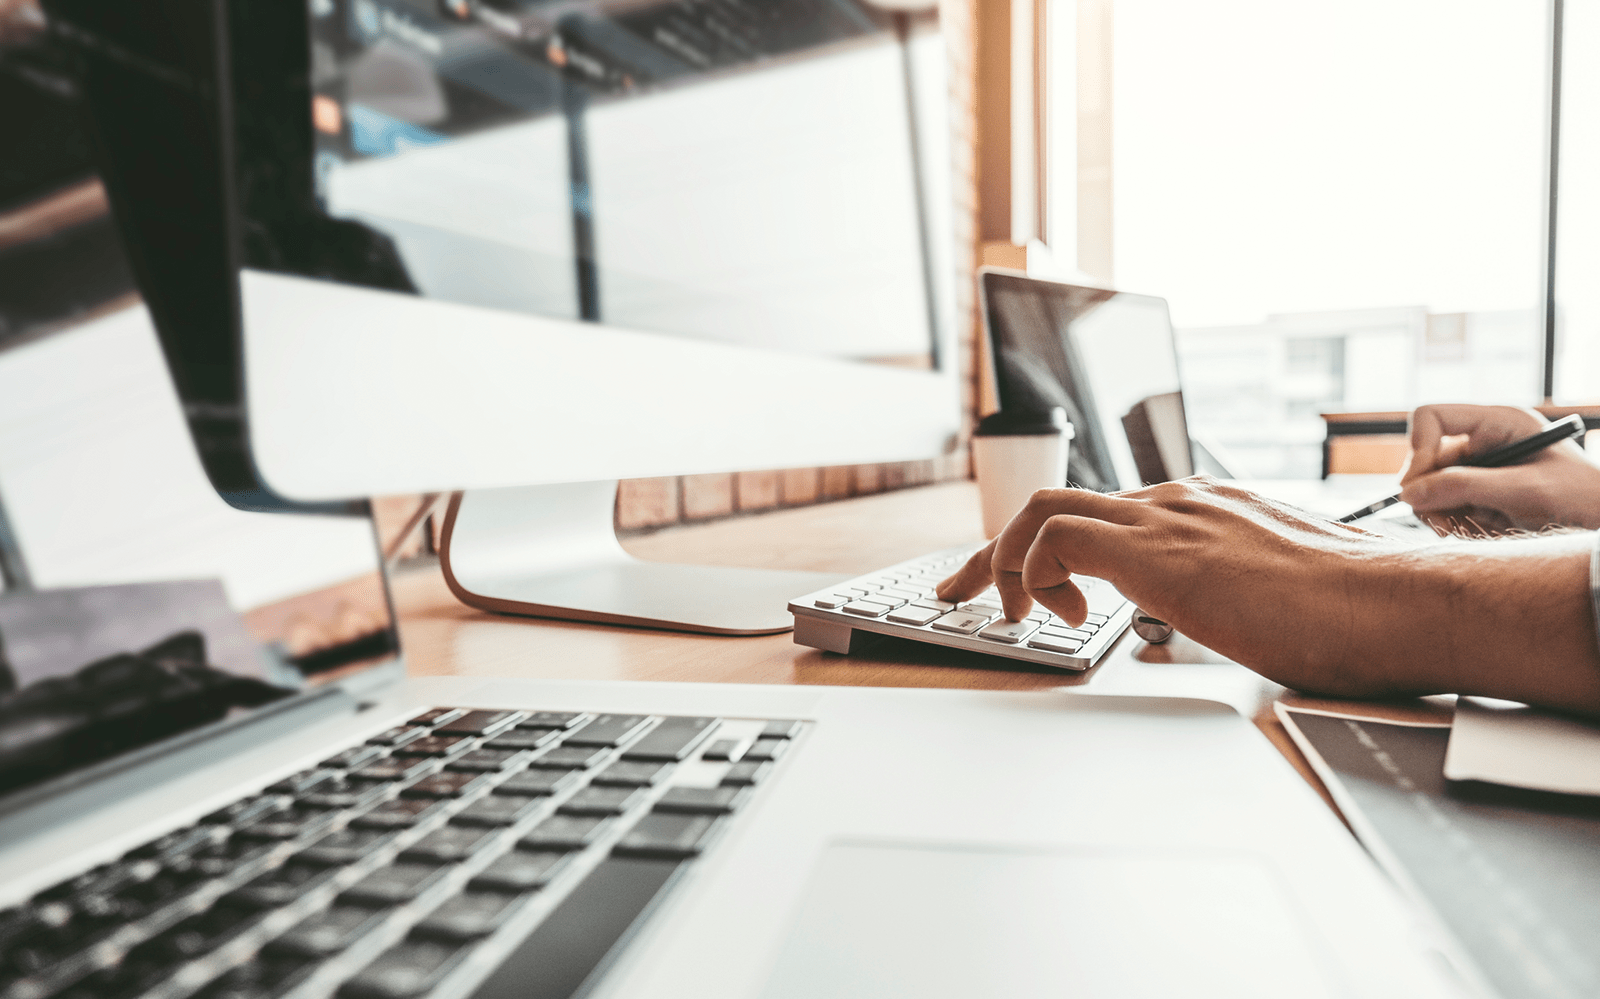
[(1312, 604)]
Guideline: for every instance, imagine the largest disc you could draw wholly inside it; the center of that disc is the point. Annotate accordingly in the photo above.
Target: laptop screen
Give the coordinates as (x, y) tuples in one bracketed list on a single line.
[(136, 605), (1106, 357)]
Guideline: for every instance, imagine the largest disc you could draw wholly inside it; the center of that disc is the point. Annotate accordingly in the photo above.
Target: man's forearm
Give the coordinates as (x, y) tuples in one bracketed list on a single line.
[(1509, 618)]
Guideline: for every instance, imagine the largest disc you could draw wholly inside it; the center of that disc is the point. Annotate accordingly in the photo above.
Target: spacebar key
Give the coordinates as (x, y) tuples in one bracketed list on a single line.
[(574, 941)]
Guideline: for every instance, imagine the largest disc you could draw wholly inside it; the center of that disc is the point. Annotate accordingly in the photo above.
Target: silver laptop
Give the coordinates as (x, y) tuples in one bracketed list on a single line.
[(218, 782)]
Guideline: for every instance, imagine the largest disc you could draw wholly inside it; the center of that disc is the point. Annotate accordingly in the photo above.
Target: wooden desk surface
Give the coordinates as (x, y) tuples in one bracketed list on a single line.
[(444, 637)]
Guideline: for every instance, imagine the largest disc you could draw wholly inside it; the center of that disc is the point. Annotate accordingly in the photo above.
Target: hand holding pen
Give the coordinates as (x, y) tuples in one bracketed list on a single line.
[(1443, 477)]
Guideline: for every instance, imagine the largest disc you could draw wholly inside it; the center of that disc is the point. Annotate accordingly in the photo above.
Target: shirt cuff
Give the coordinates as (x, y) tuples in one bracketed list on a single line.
[(1594, 583)]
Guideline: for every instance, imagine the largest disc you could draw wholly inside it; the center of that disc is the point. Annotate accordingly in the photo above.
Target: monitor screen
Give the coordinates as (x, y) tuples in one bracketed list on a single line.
[(742, 172), (1108, 358)]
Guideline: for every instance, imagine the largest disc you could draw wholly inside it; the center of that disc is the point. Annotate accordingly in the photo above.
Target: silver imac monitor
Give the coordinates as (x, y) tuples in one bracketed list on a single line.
[(524, 249)]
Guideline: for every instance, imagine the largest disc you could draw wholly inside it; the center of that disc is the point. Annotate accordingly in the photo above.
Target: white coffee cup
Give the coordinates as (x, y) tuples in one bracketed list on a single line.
[(1014, 456)]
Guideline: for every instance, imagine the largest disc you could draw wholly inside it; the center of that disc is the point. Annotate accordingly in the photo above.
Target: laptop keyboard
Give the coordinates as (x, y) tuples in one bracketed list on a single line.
[(900, 601), (464, 843)]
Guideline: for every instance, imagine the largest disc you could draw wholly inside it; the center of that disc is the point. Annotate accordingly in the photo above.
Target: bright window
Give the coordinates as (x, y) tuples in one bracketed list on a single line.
[(1343, 205)]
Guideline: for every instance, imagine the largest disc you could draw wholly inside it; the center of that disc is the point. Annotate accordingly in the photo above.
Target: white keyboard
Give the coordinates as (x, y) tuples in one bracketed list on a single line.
[(900, 601)]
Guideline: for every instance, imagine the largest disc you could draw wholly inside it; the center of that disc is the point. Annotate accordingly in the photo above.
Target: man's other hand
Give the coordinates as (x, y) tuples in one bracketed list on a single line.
[(1559, 486)]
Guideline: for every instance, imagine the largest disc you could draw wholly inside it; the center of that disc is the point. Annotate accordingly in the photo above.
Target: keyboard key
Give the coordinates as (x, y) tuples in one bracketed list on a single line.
[(524, 738), (765, 749), (887, 598), (934, 604), (745, 774), (634, 774), (917, 616), (606, 903), (865, 608), (395, 884), (435, 745), (602, 801), (262, 978), (467, 916), (350, 759), (571, 758), (564, 832), (782, 728), (674, 739), (303, 781), (702, 800), (900, 592), (497, 810), (449, 844), (404, 970), (479, 722), (830, 602), (445, 785), (398, 814), (398, 736), (344, 793), (1009, 632), (660, 835), (197, 935), (249, 810), (722, 749), (962, 622), (1096, 619), (608, 730), (551, 719), (344, 847), (394, 769), (537, 783), (286, 825), (1051, 643), (330, 931), (281, 886), (520, 871), (437, 715), (179, 843), (983, 607), (1078, 634), (487, 760)]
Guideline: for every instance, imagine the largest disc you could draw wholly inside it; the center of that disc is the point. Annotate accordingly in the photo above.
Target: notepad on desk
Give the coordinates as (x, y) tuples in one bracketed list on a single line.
[(1504, 742)]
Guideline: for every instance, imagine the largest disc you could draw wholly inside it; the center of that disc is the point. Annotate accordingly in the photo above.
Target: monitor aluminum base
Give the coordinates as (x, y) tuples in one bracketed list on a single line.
[(552, 551)]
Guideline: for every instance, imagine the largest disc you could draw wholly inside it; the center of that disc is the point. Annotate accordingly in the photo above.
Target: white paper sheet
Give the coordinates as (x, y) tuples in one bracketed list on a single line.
[(1508, 743)]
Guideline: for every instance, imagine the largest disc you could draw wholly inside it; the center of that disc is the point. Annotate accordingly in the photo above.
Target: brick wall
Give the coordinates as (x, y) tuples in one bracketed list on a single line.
[(646, 504)]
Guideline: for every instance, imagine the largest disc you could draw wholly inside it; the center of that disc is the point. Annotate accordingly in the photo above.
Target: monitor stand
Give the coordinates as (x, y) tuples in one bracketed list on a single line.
[(552, 551)]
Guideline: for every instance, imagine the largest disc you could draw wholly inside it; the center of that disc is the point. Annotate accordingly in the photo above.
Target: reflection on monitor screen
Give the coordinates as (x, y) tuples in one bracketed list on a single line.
[(736, 172), (1107, 358)]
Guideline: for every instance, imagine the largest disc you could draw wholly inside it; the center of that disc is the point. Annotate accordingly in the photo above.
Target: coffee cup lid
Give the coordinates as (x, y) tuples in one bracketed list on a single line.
[(1025, 423)]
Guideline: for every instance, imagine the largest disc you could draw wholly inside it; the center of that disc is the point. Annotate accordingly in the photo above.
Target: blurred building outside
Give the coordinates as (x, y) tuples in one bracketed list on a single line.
[(1259, 390)]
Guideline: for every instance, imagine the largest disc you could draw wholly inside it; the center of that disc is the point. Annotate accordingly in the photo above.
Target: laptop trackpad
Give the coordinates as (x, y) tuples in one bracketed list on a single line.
[(889, 921)]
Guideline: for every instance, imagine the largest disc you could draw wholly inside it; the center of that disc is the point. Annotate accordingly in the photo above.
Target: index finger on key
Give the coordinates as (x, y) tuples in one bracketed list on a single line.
[(1014, 543), (969, 580)]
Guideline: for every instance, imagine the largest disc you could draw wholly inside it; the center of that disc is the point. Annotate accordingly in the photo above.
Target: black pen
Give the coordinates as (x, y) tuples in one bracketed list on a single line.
[(1506, 454)]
